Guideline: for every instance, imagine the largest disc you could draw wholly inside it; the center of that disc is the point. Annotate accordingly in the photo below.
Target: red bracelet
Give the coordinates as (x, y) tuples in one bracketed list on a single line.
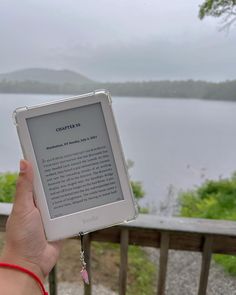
[(30, 273)]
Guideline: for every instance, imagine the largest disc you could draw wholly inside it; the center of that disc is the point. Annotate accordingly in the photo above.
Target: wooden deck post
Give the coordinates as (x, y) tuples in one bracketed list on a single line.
[(206, 261), (124, 243), (87, 256), (164, 248), (52, 280)]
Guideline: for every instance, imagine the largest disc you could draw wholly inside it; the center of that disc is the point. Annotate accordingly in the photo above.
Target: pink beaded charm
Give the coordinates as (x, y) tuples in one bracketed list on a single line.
[(84, 275)]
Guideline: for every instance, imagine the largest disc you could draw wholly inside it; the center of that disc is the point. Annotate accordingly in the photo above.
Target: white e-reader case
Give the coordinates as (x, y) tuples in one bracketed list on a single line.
[(80, 177)]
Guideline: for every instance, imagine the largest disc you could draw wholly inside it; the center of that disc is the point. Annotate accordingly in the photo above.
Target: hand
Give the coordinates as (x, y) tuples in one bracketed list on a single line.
[(26, 243)]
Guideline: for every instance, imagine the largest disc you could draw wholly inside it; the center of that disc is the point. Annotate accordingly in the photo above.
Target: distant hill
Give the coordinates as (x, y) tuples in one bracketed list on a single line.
[(47, 76), (68, 82)]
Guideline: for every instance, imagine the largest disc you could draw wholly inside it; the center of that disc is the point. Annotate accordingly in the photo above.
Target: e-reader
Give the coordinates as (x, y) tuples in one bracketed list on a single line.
[(80, 177)]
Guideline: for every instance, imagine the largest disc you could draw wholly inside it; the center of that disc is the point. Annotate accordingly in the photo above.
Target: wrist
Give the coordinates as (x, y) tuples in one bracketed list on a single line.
[(13, 281), (23, 262)]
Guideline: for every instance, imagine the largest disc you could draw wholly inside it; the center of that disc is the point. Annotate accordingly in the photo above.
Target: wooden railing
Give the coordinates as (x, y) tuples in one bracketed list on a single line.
[(199, 235)]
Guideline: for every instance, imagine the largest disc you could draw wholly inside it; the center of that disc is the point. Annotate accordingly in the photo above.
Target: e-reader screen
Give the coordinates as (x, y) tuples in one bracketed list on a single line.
[(75, 159)]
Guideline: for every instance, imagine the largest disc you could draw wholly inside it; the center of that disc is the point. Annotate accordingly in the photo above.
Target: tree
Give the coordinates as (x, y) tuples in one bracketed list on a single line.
[(225, 9)]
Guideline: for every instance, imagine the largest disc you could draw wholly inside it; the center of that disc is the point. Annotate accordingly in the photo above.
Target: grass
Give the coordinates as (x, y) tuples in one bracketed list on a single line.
[(141, 271), (228, 262)]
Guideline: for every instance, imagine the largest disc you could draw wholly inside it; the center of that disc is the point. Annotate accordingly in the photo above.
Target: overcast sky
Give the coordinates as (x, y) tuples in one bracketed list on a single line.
[(116, 40)]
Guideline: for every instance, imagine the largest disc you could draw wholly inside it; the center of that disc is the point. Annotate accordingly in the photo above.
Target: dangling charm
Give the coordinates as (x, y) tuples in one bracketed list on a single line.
[(84, 273)]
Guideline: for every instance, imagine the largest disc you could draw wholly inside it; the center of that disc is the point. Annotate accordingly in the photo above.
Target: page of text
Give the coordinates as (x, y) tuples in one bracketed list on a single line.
[(75, 159)]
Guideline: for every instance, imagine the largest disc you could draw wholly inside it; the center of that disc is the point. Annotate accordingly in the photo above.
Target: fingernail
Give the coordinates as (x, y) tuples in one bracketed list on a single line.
[(23, 166)]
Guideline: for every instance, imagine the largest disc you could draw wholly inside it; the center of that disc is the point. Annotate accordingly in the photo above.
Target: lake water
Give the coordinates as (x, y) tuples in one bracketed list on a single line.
[(175, 143)]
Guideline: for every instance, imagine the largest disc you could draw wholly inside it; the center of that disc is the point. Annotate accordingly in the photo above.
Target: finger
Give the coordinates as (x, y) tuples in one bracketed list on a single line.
[(24, 188)]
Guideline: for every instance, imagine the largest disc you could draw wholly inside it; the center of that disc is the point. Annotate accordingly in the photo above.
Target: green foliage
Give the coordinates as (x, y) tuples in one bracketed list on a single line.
[(213, 200), (224, 9), (139, 193), (137, 189), (144, 210), (216, 8), (7, 186)]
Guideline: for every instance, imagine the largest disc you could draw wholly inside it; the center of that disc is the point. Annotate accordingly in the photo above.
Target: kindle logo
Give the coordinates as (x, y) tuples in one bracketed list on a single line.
[(90, 219), (71, 126)]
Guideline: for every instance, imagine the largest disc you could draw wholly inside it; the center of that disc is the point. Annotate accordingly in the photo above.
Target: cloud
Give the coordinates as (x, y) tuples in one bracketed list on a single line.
[(198, 58), (115, 40)]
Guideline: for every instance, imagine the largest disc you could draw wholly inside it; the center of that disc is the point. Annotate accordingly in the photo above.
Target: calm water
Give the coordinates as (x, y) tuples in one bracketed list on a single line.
[(174, 142)]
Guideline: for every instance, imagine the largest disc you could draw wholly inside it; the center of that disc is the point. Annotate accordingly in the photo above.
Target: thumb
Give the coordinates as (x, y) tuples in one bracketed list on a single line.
[(24, 189)]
